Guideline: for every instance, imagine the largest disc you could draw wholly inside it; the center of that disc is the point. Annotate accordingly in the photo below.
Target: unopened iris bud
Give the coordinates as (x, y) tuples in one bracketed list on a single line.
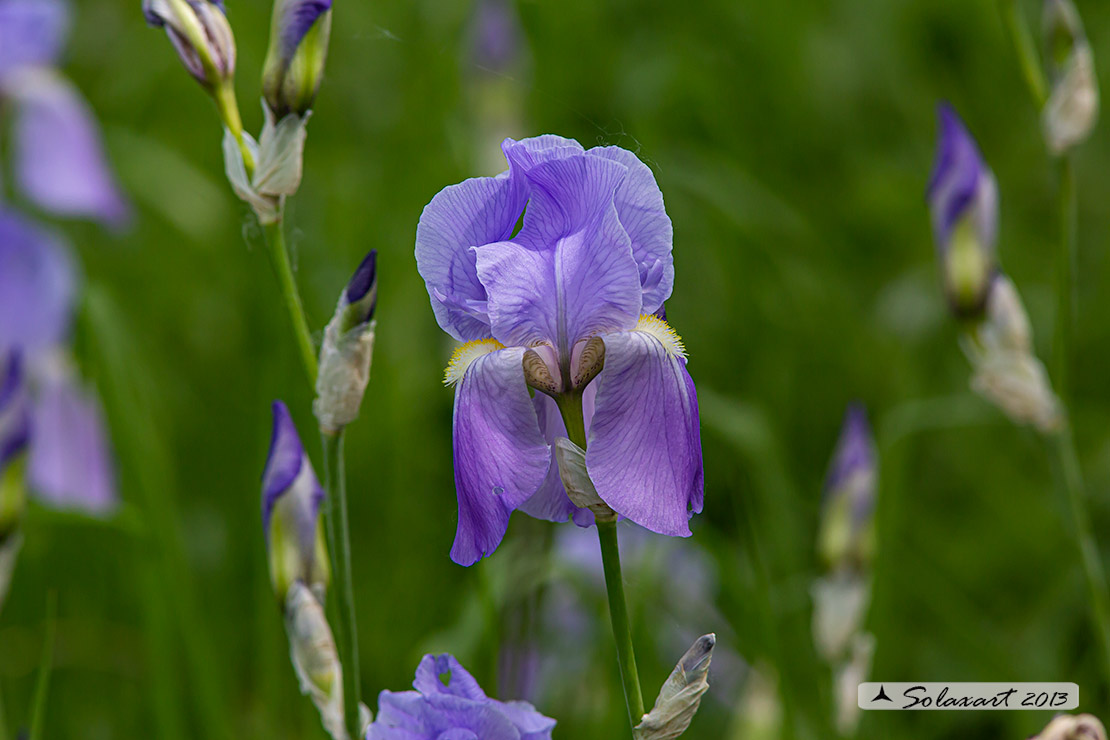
[(294, 63), (315, 660), (847, 536), (15, 428), (347, 350), (963, 200), (681, 694), (1006, 372), (1072, 107), (201, 35), (291, 498)]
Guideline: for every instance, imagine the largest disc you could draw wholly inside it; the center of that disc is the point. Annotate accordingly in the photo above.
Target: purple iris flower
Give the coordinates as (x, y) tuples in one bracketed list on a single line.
[(963, 200), (70, 460), (570, 297), (448, 704), (58, 159)]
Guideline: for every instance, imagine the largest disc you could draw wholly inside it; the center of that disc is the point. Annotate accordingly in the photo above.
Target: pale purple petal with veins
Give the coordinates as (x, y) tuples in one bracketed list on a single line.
[(639, 204), (644, 452), (71, 463), (31, 33), (59, 161), (569, 273), (474, 212), (36, 286), (500, 455), (550, 500)]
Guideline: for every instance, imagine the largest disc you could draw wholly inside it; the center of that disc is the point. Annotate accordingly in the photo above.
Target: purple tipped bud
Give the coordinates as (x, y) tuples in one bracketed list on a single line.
[(963, 199), (291, 498), (201, 35), (362, 290), (846, 534), (294, 64)]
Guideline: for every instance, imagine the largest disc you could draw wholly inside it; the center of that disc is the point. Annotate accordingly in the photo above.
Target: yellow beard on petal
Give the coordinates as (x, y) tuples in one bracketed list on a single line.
[(465, 355), (661, 330)]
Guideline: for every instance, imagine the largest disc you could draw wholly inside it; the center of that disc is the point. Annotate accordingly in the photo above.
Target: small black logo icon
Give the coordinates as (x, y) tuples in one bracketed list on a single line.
[(882, 694)]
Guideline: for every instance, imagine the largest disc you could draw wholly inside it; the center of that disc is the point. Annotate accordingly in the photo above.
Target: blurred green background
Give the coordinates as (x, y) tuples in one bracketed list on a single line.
[(792, 141)]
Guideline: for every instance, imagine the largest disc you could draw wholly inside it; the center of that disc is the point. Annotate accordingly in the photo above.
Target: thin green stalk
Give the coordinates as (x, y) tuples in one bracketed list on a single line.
[(1071, 480), (3, 723), (1026, 51), (46, 664), (618, 614), (283, 270), (339, 545), (1066, 272), (570, 404)]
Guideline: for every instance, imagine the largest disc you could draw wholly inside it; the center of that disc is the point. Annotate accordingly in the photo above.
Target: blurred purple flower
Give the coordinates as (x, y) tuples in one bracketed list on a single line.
[(448, 704), (855, 449), (575, 288), (963, 200), (71, 463), (37, 286), (495, 35), (59, 161)]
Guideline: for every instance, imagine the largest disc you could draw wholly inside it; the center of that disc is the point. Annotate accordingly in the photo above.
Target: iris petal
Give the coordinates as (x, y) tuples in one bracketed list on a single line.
[(500, 455), (59, 162), (550, 501), (31, 32), (36, 286), (639, 204), (569, 273), (71, 465), (474, 212), (644, 453)]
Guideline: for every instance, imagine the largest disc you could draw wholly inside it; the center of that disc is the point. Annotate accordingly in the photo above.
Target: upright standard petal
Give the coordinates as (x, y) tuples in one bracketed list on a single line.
[(639, 204), (500, 455), (474, 212), (644, 452), (31, 33), (36, 286), (59, 162), (569, 273), (71, 462)]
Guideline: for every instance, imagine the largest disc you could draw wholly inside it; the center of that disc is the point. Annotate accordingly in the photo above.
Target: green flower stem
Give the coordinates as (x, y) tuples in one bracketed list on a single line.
[(570, 404), (46, 666), (1065, 291), (1026, 51), (283, 270), (1071, 480), (339, 545), (228, 106)]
